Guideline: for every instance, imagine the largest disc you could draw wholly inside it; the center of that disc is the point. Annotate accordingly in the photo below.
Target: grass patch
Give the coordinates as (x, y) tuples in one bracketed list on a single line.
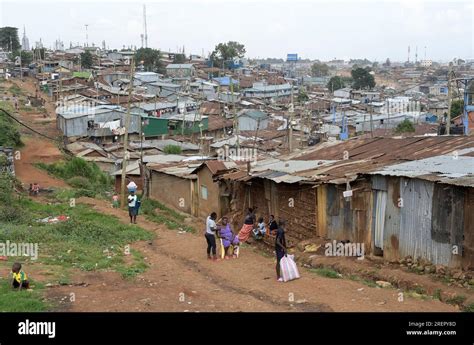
[(139, 266), (85, 176), (171, 218), (469, 308), (15, 90), (367, 282), (9, 133), (22, 301), (326, 272), (172, 149), (437, 294), (456, 300)]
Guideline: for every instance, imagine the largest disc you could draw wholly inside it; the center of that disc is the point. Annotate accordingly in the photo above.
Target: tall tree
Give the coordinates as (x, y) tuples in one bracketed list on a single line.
[(223, 52), (457, 107), (151, 59), (362, 78), (179, 58), (86, 60), (319, 69), (9, 40), (335, 83)]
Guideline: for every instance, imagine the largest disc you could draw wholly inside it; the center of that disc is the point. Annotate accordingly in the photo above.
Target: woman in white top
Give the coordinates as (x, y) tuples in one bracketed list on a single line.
[(210, 235)]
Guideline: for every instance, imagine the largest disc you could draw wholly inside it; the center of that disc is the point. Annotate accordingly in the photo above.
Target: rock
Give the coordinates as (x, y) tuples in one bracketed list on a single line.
[(383, 284), (188, 220), (301, 245), (300, 301), (440, 269), (360, 289), (382, 303), (311, 248), (471, 282), (430, 269), (458, 275)]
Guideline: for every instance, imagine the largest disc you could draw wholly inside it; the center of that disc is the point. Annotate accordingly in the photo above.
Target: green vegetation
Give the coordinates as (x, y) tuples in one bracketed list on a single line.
[(172, 149), (9, 133), (87, 60), (457, 107), (89, 241), (165, 215), (302, 96), (15, 90), (469, 308), (437, 294), (85, 176), (326, 272), (22, 301), (151, 60), (456, 300), (363, 79), (139, 266), (405, 126), (319, 69), (225, 52), (335, 83)]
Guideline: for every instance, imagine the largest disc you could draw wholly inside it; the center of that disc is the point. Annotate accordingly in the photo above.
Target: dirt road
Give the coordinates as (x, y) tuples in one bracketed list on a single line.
[(180, 278)]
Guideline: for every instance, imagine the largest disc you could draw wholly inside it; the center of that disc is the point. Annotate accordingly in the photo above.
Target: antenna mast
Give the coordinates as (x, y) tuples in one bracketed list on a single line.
[(144, 26)]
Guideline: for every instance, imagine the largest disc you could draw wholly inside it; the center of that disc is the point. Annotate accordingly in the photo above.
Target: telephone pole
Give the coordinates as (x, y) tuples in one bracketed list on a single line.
[(448, 121), (125, 138), (292, 109)]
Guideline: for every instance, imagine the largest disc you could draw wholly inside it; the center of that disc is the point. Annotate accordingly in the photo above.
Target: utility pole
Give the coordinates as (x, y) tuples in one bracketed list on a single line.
[(234, 122), (125, 138), (448, 121), (371, 121), (290, 136)]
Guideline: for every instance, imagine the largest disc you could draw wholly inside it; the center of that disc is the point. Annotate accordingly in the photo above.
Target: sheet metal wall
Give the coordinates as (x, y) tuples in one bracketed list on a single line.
[(415, 223)]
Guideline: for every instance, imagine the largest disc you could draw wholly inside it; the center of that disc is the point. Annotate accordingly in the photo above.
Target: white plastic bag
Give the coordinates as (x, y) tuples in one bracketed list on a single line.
[(288, 268)]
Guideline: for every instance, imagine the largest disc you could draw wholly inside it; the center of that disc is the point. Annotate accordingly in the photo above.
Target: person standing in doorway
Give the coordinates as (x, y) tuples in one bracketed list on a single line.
[(280, 247), (210, 235), (132, 210)]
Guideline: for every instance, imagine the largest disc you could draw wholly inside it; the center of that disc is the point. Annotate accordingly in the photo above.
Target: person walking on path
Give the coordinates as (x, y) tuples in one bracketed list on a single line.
[(132, 210), (280, 247), (210, 235)]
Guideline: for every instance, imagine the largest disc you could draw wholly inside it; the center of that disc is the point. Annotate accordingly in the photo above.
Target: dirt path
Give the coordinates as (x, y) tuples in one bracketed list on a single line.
[(179, 268)]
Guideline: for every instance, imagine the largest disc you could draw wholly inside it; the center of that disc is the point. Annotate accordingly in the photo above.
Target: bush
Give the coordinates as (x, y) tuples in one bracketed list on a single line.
[(9, 133), (85, 176), (172, 149), (405, 126), (79, 182)]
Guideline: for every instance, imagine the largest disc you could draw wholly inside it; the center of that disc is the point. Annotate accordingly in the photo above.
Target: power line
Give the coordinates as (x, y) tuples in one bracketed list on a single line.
[(24, 125)]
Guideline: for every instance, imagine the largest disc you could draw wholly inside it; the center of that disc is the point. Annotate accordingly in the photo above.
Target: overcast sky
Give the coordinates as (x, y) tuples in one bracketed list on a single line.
[(314, 29)]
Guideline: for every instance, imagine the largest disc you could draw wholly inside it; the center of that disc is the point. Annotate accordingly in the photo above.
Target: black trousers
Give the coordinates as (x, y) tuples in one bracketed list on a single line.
[(211, 244)]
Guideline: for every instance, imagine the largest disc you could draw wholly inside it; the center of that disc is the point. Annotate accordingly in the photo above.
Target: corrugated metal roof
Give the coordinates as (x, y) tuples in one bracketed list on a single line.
[(448, 169)]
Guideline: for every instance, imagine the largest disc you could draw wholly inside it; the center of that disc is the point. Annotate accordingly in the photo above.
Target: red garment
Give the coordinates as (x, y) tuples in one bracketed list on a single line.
[(245, 232)]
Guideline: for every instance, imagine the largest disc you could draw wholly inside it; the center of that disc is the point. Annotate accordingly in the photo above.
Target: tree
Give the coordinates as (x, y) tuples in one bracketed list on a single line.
[(26, 57), (9, 40), (302, 96), (387, 63), (224, 52), (457, 107), (40, 53), (179, 58), (335, 83), (86, 60), (151, 59), (362, 78), (319, 69), (405, 126)]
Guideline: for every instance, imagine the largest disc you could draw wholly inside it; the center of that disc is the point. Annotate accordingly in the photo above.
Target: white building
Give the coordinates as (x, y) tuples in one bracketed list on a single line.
[(426, 63)]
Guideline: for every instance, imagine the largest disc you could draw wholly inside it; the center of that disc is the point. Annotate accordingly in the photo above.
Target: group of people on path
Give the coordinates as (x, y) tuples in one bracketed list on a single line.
[(222, 231)]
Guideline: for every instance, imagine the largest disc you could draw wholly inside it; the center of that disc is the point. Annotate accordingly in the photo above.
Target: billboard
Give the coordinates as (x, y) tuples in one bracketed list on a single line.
[(292, 57)]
